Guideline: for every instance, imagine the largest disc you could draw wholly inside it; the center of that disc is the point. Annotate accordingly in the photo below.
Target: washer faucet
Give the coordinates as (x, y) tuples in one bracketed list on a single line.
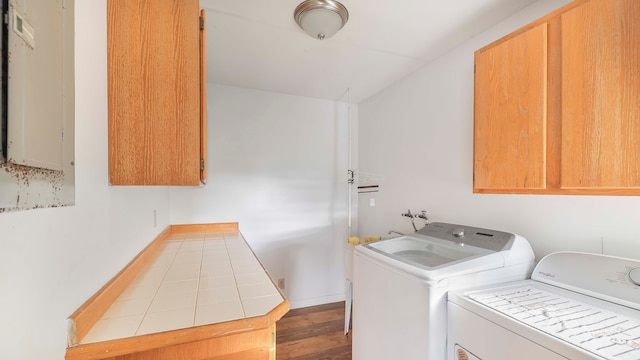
[(423, 216), (411, 216)]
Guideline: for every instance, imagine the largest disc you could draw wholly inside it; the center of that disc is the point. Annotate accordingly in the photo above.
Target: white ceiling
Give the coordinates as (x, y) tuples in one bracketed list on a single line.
[(257, 44)]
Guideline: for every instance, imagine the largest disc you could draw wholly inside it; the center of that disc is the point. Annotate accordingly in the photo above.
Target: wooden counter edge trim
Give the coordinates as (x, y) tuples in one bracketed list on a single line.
[(279, 311), (181, 228), (81, 321), (135, 344), (91, 311)]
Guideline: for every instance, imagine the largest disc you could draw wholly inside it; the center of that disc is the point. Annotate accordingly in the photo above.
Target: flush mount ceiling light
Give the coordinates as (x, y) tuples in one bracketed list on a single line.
[(321, 18)]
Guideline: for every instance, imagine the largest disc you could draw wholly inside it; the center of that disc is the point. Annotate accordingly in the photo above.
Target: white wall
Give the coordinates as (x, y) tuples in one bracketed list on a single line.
[(418, 134), (277, 164), (52, 260)]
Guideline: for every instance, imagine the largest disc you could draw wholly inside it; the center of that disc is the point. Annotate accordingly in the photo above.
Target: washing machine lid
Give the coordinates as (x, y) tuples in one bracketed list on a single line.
[(441, 250)]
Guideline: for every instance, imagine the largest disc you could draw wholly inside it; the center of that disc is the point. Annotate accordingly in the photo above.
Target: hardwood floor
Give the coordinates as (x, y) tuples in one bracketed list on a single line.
[(313, 333)]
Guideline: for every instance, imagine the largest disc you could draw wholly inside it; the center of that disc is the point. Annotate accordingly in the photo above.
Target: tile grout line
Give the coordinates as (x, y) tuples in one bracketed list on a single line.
[(159, 285), (233, 271), (195, 305)]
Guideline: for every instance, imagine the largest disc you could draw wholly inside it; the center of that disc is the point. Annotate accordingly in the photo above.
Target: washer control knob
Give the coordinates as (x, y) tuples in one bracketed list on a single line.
[(634, 276), (458, 232)]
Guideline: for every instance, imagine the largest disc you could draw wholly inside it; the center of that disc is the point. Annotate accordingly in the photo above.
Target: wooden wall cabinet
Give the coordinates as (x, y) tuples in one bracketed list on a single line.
[(156, 92), (557, 107)]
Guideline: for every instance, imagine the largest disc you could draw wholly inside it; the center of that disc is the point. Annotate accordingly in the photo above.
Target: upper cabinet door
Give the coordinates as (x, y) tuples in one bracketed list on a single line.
[(557, 104), (510, 113), (601, 95), (154, 90)]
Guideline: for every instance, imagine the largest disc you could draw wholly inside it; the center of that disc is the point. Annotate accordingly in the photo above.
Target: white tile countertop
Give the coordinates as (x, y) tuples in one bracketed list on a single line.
[(197, 278)]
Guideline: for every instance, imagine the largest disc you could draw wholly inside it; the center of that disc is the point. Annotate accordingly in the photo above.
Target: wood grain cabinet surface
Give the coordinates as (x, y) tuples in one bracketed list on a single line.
[(155, 92), (510, 113), (557, 107)]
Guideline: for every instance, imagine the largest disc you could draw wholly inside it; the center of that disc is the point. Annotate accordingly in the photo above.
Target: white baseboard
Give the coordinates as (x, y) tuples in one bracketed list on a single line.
[(315, 301)]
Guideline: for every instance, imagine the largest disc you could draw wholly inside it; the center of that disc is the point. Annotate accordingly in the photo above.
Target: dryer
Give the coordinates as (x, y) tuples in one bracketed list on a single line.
[(575, 306), (400, 285)]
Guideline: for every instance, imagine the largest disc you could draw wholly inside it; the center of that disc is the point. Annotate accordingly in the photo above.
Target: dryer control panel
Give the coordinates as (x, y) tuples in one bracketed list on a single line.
[(605, 277)]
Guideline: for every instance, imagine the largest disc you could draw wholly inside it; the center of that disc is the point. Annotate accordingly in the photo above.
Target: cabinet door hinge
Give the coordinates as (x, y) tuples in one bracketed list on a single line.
[(201, 23), (201, 164)]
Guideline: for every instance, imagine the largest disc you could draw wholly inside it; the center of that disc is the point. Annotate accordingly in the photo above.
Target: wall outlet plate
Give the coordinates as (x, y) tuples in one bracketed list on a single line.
[(24, 29)]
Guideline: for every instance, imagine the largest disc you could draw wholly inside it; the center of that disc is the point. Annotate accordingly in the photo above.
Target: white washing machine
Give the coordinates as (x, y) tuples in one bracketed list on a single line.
[(400, 286), (575, 306)]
